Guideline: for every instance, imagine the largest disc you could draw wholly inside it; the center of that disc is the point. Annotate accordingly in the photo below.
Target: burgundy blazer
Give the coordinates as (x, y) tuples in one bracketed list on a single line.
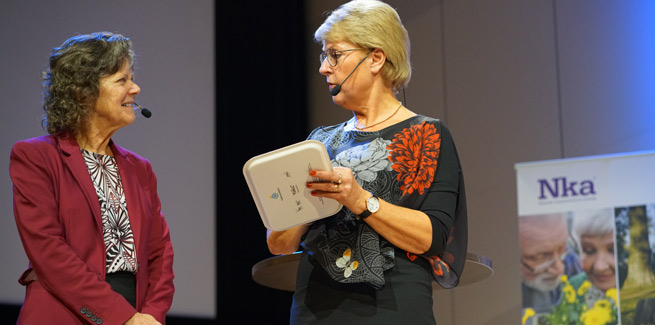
[(57, 213)]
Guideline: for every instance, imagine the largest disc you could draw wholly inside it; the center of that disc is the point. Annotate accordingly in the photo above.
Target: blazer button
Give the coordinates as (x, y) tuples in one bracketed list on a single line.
[(99, 321), (83, 310), (93, 318), (88, 313)]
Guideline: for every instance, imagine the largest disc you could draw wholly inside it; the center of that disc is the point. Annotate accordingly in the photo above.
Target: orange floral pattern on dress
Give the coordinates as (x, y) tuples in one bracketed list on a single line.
[(438, 266), (414, 153)]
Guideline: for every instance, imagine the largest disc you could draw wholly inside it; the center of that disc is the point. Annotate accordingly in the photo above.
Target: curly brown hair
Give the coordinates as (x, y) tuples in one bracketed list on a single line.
[(71, 84)]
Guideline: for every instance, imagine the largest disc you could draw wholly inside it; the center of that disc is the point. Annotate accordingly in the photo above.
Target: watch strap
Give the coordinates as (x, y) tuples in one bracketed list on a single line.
[(364, 214)]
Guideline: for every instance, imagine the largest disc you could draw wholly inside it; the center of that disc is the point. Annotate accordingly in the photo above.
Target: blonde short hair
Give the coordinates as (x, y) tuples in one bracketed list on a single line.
[(372, 24)]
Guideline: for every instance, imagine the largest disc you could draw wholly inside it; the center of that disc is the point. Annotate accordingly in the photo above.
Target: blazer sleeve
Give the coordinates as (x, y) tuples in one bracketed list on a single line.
[(160, 260), (60, 270)]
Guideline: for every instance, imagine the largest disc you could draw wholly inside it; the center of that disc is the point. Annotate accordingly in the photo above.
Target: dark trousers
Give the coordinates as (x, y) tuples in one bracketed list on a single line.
[(123, 282)]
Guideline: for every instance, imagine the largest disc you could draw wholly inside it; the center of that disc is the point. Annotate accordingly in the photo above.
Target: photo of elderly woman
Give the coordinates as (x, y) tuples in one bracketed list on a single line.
[(593, 233)]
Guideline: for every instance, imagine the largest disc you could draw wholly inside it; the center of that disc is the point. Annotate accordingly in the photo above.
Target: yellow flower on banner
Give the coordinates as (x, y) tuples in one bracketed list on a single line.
[(529, 312), (584, 287), (573, 308), (602, 304), (596, 317), (600, 314), (611, 293), (564, 279), (569, 293)]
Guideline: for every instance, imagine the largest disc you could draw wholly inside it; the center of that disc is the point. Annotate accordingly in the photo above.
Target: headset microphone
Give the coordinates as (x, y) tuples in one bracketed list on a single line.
[(144, 111), (337, 89)]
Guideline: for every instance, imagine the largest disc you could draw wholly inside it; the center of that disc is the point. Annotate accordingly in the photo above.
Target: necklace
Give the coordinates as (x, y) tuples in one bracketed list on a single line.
[(372, 125)]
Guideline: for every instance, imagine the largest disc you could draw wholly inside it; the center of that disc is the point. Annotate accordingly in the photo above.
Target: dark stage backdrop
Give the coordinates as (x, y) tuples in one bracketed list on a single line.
[(262, 106)]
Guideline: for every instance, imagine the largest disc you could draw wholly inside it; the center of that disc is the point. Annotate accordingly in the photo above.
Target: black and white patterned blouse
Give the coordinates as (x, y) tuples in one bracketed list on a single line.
[(117, 232), (413, 164)]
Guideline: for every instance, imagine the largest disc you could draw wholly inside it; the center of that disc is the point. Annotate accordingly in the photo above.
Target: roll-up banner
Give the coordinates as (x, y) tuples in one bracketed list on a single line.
[(587, 239)]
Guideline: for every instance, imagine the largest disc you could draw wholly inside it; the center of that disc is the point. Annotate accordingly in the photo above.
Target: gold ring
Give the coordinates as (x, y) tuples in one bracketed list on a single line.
[(339, 181), (336, 188)]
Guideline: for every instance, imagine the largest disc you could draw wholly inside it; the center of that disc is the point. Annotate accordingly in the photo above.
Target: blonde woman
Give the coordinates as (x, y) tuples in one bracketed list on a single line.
[(398, 177)]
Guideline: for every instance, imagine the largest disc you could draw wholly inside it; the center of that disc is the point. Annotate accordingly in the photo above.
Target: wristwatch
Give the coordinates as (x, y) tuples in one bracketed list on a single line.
[(372, 206)]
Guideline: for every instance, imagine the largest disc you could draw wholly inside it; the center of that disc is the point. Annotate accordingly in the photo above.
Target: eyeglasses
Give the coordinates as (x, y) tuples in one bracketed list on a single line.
[(541, 267), (333, 55)]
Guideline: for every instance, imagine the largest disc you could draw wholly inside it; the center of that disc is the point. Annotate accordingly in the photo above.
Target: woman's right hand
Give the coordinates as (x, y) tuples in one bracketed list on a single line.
[(139, 318)]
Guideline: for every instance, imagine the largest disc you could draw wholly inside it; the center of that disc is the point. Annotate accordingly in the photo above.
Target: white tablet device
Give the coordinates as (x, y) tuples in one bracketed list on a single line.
[(277, 183)]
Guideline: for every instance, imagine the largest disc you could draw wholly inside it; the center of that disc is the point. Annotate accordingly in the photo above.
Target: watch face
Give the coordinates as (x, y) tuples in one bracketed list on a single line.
[(372, 204)]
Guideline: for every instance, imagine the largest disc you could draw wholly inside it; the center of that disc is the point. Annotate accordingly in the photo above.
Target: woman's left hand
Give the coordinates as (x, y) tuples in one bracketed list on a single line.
[(140, 318), (340, 185)]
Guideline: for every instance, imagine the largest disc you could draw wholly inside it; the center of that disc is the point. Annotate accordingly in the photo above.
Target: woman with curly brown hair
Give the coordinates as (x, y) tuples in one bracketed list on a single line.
[(87, 210), (396, 173)]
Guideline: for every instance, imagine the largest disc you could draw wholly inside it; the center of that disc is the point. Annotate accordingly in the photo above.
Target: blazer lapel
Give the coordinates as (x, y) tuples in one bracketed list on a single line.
[(73, 159)]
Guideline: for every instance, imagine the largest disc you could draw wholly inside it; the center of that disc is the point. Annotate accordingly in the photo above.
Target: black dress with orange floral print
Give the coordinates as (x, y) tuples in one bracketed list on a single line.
[(348, 273)]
